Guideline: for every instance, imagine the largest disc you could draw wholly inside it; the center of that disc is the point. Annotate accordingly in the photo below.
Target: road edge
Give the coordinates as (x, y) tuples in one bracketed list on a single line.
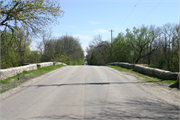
[(152, 92), (24, 85)]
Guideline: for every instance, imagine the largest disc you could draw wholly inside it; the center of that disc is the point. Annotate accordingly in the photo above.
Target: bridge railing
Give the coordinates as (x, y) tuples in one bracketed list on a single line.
[(149, 71), (10, 72)]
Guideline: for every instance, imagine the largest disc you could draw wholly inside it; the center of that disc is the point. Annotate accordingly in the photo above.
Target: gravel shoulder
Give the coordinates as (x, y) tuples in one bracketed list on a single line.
[(164, 92)]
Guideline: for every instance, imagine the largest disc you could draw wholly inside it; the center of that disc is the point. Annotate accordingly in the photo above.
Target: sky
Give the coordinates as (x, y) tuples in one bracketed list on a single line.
[(85, 19)]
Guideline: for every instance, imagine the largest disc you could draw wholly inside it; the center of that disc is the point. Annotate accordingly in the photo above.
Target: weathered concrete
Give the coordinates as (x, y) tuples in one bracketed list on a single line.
[(148, 71), (64, 64), (44, 64), (59, 63), (10, 72), (156, 72)]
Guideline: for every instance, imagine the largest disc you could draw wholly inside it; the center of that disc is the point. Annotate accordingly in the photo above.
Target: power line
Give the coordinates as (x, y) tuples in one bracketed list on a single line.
[(130, 12), (149, 12)]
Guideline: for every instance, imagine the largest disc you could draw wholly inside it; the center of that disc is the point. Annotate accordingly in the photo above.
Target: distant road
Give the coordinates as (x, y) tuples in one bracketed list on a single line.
[(85, 92)]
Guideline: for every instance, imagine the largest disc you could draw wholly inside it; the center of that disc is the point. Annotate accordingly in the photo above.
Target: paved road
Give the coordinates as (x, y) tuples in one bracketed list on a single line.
[(85, 92)]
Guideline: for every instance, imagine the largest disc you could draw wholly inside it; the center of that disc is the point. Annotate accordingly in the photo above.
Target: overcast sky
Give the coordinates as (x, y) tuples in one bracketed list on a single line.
[(87, 18)]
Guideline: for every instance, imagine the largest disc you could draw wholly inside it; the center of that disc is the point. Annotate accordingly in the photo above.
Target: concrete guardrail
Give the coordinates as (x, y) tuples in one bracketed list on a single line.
[(59, 63), (44, 64), (149, 71), (10, 72)]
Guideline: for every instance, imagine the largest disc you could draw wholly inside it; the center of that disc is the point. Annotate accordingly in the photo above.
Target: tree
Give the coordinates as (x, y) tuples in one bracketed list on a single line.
[(15, 53), (168, 39), (168, 43), (8, 56), (156, 46), (34, 15), (33, 57), (120, 49), (21, 45), (65, 49), (98, 51), (139, 39)]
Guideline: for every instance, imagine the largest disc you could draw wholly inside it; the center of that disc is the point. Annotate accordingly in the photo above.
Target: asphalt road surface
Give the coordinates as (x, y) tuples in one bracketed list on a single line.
[(85, 92)]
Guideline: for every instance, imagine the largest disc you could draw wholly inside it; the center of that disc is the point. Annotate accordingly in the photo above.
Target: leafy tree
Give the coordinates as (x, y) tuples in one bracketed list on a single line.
[(21, 45), (33, 57), (34, 15), (8, 55), (120, 49), (98, 51), (156, 46), (15, 53), (64, 49), (139, 39)]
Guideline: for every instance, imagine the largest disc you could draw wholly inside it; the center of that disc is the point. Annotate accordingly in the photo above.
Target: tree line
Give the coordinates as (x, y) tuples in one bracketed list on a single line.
[(156, 46), (66, 49), (23, 20)]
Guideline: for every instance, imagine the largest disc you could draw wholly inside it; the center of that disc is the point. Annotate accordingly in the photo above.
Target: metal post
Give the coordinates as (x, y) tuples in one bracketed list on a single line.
[(132, 53), (132, 61)]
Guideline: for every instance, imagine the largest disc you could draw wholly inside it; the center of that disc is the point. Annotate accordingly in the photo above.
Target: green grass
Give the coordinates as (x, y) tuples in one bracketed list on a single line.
[(145, 77), (80, 62), (14, 81)]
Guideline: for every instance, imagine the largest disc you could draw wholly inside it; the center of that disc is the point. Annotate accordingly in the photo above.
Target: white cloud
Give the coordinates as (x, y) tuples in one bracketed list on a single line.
[(83, 37), (93, 22), (101, 31)]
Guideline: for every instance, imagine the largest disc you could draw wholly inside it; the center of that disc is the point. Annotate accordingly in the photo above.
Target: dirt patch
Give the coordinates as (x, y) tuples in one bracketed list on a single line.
[(168, 93)]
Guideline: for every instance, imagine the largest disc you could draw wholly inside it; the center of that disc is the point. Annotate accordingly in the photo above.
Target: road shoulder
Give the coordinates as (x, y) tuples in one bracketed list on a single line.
[(24, 85), (163, 92)]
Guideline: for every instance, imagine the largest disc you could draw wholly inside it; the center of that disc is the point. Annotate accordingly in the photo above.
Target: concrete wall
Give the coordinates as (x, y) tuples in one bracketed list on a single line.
[(64, 64), (122, 64), (59, 63), (49, 64), (10, 72), (44, 64), (148, 71)]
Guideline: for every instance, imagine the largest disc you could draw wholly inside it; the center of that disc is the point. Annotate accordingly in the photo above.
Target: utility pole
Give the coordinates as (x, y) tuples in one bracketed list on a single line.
[(111, 35), (111, 45)]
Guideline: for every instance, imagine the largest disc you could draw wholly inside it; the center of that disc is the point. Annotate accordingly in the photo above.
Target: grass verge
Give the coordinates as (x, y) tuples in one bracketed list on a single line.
[(145, 77), (14, 81)]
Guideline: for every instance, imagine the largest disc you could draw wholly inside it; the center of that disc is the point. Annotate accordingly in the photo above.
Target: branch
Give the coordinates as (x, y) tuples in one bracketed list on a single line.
[(10, 27)]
